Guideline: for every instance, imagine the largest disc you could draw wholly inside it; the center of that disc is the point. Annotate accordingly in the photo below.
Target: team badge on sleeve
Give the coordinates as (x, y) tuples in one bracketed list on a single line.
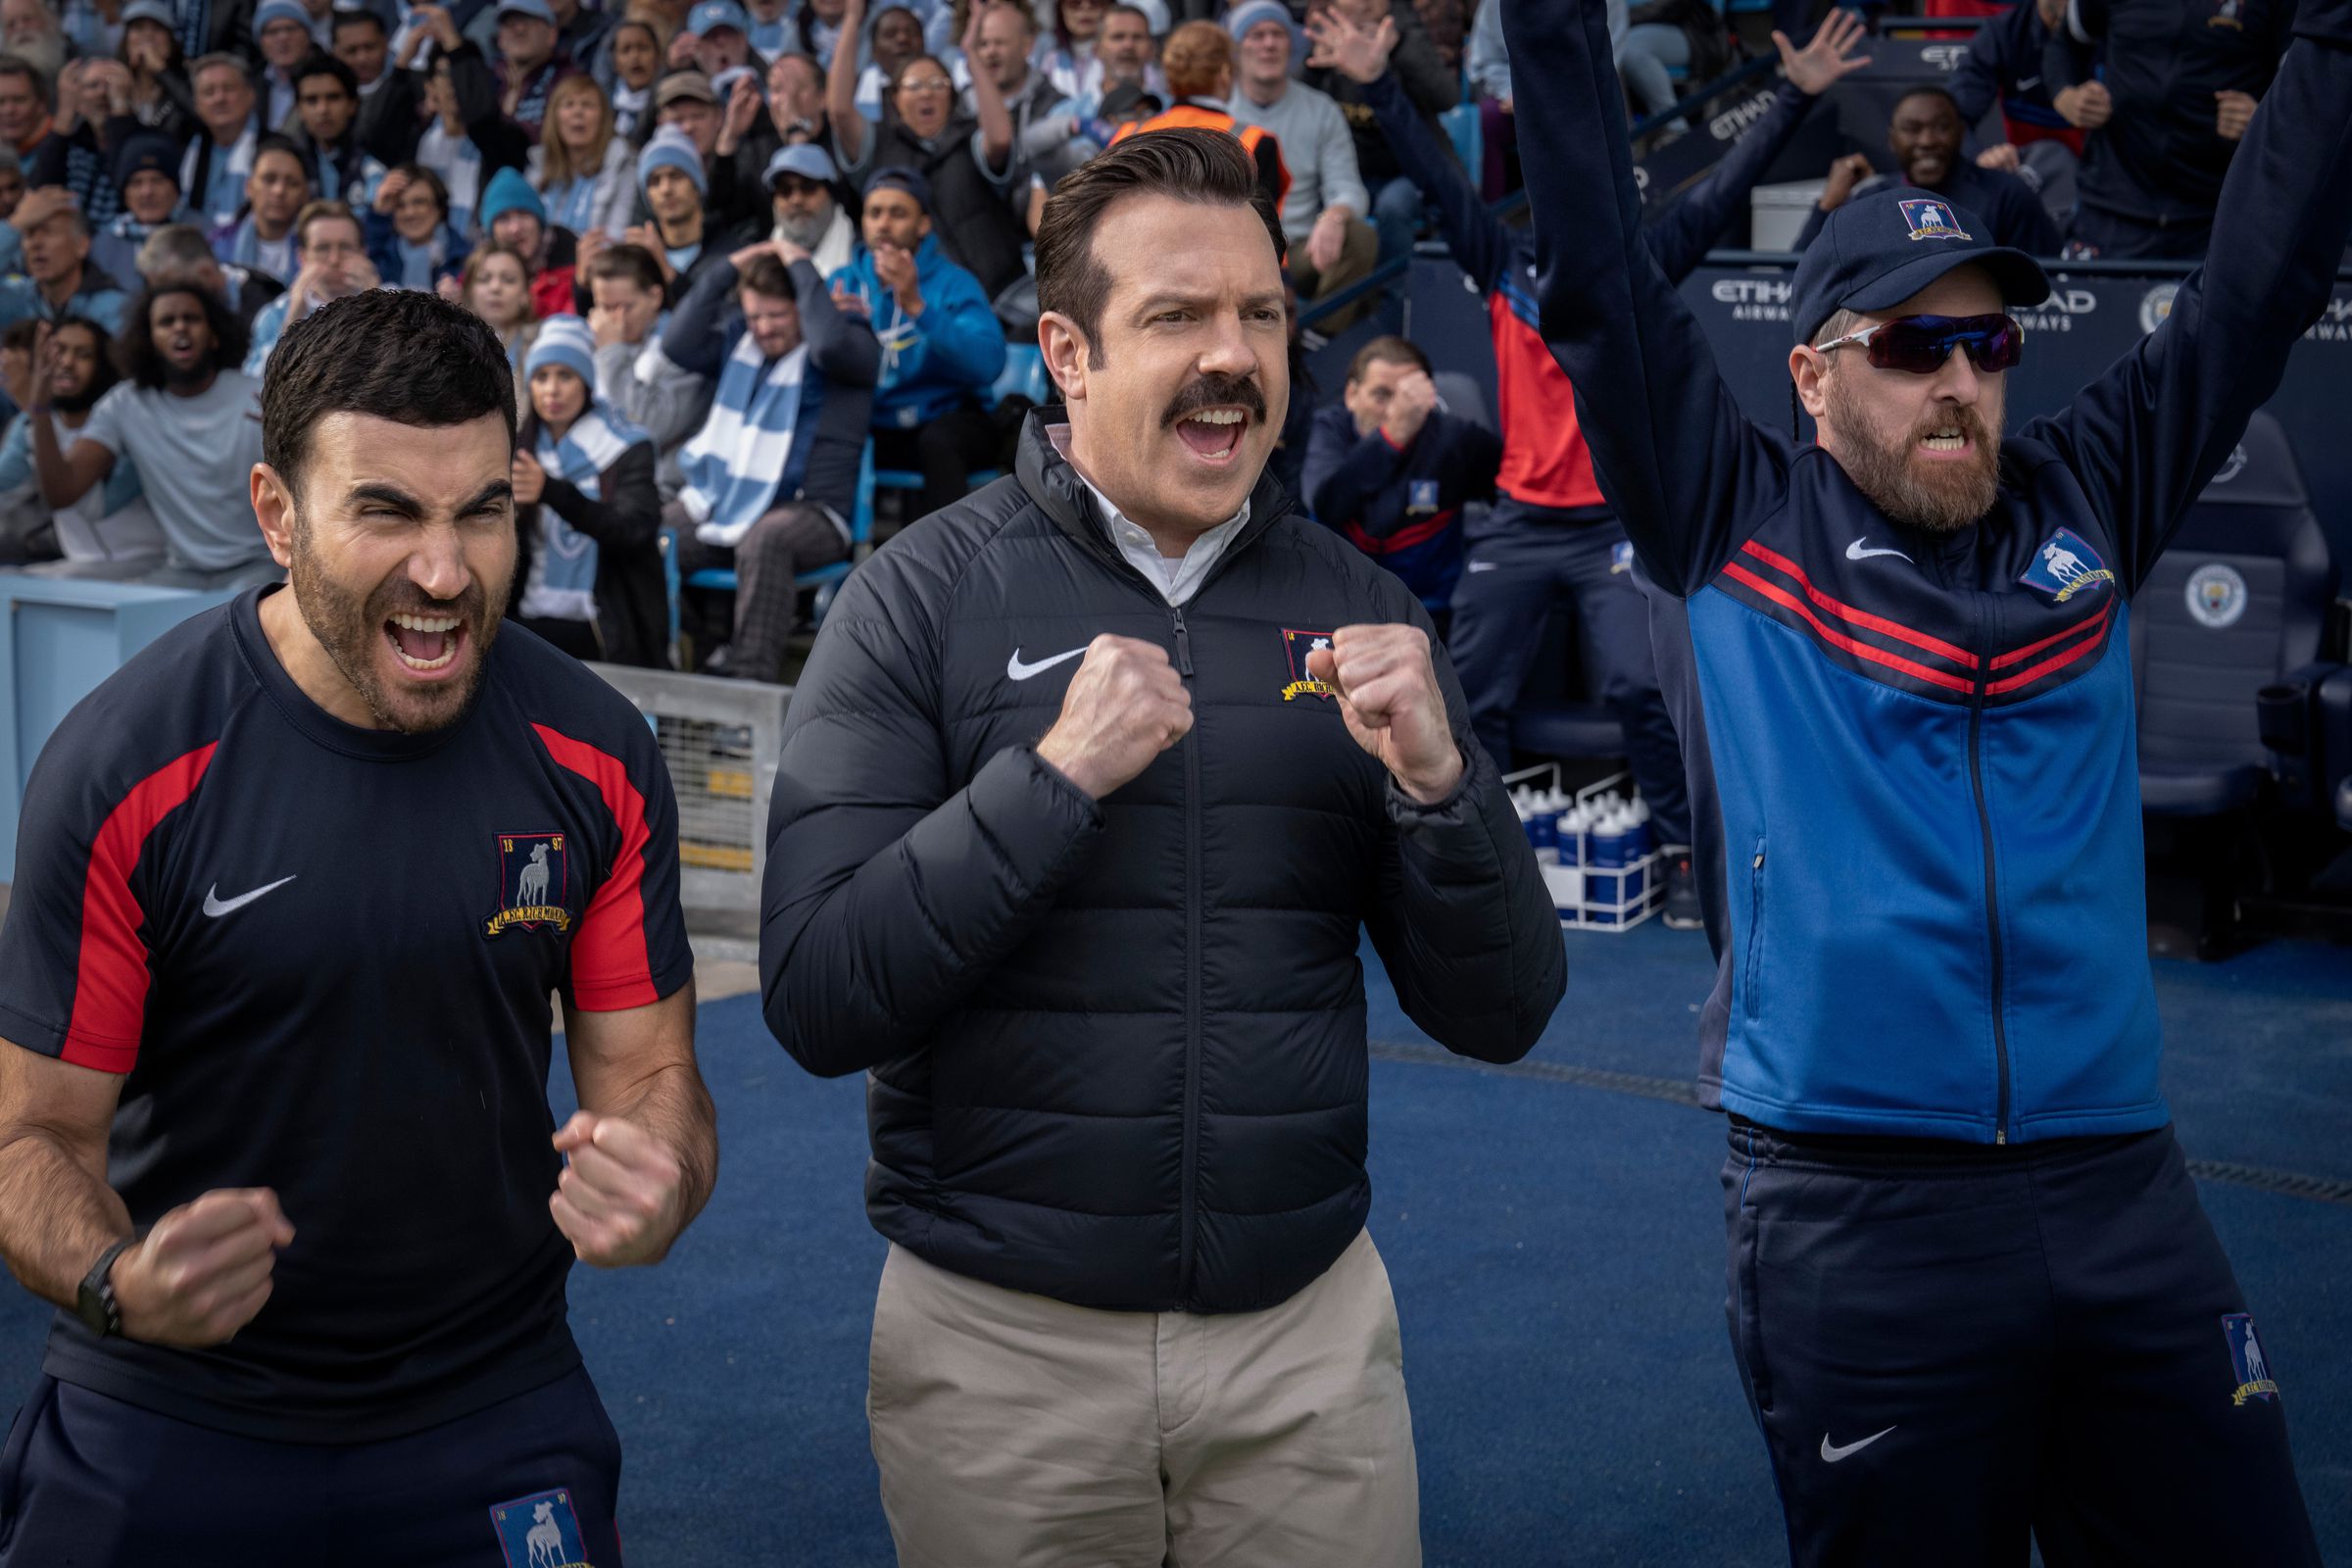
[(532, 884), (540, 1532), (1931, 219), (2064, 567), (1296, 646), (2247, 1360)]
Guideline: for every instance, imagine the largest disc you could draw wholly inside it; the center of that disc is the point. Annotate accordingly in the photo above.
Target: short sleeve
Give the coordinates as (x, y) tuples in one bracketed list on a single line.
[(630, 950), (105, 423)]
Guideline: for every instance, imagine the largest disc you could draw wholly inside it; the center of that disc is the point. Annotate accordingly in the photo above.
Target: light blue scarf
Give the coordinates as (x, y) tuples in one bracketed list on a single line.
[(561, 585), (735, 463)]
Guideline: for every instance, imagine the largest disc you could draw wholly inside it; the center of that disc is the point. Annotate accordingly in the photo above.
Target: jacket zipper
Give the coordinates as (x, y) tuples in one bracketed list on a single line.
[(1188, 1216), (1992, 900)]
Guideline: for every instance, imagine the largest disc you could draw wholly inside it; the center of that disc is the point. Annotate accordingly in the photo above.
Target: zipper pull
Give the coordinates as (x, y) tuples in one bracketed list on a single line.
[(1184, 642), (2000, 1135)]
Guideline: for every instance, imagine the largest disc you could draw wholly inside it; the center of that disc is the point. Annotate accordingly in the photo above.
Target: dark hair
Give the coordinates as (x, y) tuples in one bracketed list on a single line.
[(174, 60), (632, 263), (420, 175), (344, 19), (271, 141), (1387, 350), (317, 212), (318, 63), (397, 353), (104, 375), (1204, 166), (19, 66), (22, 335), (766, 274), (136, 353), (1930, 90)]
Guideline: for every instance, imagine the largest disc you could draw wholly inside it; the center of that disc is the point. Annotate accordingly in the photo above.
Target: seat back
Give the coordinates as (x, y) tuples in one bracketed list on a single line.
[(2241, 596)]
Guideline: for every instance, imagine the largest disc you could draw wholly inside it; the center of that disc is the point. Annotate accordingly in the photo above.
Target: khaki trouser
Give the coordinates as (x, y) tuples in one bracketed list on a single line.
[(1018, 1430)]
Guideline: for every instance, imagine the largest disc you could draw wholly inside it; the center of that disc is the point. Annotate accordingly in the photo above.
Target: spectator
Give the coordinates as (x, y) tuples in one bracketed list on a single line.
[(1197, 63), (1391, 470), (263, 236), (817, 25), (60, 280), (588, 571), (969, 164), (800, 181), (941, 344), (191, 425), (1449, 28), (633, 377), (716, 39), (117, 526), (496, 286), (512, 217), (1322, 213), (587, 174), (686, 103), (1070, 59), (30, 32), (581, 30), (218, 163), (147, 182), (636, 53), (181, 253), (796, 100), (772, 477), (334, 252), (1664, 37), (359, 40), (528, 63), (160, 97), (411, 242), (1123, 54), (76, 154), (326, 100), (1427, 80), (1925, 134), (894, 36), (771, 27), (283, 29), (1004, 33), (2177, 91), (2002, 59), (679, 235)]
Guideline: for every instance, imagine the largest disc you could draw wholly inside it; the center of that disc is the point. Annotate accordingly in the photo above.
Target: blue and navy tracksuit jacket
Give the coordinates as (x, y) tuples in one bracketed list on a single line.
[(1403, 506), (1915, 755)]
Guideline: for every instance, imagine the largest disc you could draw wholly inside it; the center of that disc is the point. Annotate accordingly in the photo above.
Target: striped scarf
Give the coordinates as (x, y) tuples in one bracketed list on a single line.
[(630, 108), (736, 461), (562, 584), (195, 30), (211, 178), (458, 163), (242, 247)]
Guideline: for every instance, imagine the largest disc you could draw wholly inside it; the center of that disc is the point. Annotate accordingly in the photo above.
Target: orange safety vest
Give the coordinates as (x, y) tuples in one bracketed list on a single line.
[(1189, 116)]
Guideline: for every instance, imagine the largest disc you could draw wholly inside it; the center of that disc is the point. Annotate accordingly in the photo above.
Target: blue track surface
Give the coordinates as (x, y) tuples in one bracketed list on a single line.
[(1557, 1253)]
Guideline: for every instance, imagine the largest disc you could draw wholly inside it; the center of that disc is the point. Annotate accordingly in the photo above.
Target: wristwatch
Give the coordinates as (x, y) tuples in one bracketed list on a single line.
[(95, 1303)]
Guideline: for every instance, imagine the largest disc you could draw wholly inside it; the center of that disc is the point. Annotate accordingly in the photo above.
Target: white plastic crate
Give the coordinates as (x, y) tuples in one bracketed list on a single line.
[(1608, 899)]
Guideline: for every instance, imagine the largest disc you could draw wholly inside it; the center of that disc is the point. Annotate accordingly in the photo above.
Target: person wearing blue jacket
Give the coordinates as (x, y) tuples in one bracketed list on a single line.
[(1972, 1294), (942, 345), (1391, 470)]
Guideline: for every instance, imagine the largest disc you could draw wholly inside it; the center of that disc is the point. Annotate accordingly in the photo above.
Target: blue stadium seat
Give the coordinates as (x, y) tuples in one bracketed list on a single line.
[(824, 580), (1554, 718), (1460, 123), (1023, 376)]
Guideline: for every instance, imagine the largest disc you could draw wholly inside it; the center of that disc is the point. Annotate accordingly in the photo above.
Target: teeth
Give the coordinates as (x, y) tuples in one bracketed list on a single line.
[(1217, 416), (425, 623), (423, 664), (1944, 443)]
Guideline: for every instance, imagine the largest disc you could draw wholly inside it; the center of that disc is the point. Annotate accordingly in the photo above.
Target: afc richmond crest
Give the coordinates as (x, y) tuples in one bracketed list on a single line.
[(2247, 1360), (1931, 219), (1296, 646), (539, 1532), (2064, 567), (531, 883)]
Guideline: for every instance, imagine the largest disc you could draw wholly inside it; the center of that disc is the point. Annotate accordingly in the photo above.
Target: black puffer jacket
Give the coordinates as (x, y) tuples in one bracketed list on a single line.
[(1119, 1050)]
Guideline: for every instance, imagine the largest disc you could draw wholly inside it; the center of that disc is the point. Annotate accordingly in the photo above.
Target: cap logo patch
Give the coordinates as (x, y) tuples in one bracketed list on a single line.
[(1931, 219)]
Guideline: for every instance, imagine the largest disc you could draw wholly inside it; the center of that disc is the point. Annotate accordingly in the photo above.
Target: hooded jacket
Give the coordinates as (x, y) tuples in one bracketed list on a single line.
[(935, 361), (1117, 1046)]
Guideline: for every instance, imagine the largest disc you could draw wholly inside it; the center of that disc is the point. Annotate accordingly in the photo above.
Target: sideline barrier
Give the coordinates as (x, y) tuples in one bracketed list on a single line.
[(60, 638)]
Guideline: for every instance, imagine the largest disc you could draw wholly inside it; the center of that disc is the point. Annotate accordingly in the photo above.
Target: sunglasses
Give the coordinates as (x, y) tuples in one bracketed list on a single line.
[(1920, 343)]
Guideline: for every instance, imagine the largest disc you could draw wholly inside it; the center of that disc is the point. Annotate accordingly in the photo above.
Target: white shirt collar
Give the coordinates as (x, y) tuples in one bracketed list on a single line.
[(1177, 580)]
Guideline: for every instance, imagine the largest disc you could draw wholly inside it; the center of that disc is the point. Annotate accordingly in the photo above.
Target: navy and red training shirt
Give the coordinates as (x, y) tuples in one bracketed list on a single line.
[(322, 957)]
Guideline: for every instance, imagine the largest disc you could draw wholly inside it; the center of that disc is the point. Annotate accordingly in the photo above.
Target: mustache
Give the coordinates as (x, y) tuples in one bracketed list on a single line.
[(1960, 417), (1216, 391)]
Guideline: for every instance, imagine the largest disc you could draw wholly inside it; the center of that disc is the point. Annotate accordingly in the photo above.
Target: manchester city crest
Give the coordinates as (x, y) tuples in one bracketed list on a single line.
[(533, 883)]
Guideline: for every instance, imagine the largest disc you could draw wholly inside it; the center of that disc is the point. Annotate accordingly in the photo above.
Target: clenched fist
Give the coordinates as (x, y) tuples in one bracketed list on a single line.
[(1388, 693), (621, 1200), (204, 1270), (1125, 706)]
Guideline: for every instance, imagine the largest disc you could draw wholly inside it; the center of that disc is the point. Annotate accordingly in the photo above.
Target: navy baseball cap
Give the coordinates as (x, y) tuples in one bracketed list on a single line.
[(898, 176), (1879, 250)]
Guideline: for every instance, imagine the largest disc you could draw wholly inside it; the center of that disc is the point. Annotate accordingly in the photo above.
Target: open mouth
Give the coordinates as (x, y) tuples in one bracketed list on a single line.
[(1213, 433), (1945, 444), (427, 646)]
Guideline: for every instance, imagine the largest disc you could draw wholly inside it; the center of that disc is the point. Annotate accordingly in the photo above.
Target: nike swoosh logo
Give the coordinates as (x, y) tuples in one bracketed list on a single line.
[(1015, 670), (2028, 84), (1832, 1453), (1479, 565), (1855, 552), (217, 905)]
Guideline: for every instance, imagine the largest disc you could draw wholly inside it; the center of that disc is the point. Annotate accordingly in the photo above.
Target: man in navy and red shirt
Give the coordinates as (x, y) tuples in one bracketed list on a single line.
[(293, 889), (1973, 1295)]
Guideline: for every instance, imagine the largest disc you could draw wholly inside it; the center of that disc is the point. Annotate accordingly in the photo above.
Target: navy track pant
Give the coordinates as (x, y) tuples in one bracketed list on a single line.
[(90, 1482), (1949, 1347)]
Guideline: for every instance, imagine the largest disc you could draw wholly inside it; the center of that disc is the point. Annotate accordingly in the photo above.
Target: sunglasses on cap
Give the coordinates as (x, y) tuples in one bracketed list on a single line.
[(1920, 343)]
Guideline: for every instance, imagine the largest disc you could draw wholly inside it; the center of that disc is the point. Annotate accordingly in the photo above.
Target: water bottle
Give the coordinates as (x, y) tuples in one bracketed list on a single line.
[(1607, 853)]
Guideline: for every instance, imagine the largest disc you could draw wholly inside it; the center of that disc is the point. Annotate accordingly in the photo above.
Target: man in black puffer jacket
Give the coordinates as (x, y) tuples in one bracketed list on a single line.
[(1090, 787)]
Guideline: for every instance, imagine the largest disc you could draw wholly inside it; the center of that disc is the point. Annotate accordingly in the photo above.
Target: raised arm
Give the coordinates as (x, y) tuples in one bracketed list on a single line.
[(850, 130), (842, 347), (1679, 462), (693, 340), (2146, 437)]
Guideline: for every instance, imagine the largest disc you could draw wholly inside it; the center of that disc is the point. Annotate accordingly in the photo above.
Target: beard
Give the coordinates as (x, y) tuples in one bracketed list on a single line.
[(48, 51), (349, 623), (808, 232), (76, 403), (1933, 497)]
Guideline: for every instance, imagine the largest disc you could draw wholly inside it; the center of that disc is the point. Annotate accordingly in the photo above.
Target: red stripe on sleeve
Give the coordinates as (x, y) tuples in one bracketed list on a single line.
[(610, 966), (110, 976), (1861, 617)]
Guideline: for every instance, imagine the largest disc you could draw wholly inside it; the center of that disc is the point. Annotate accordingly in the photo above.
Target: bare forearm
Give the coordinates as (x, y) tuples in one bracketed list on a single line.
[(673, 1105), (55, 1216), (49, 461)]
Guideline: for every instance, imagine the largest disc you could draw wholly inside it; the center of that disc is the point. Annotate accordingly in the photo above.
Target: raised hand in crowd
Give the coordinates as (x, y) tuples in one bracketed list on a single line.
[(1388, 697), (1358, 53), (2086, 107), (2236, 112), (18, 372), (69, 96), (527, 477), (1410, 403), (743, 110), (388, 192), (648, 238), (1125, 706), (849, 300), (148, 54), (106, 86), (1844, 175), (894, 269), (451, 288), (682, 46), (592, 244), (204, 1270), (434, 22), (1829, 57), (2001, 155)]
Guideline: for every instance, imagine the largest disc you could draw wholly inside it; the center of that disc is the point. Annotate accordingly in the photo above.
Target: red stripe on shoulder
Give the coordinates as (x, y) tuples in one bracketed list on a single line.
[(612, 968), (1860, 617), (109, 977)]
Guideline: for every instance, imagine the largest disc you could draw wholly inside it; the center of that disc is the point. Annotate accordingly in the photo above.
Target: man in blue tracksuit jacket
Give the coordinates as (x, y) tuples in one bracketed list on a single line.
[(1973, 1294)]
